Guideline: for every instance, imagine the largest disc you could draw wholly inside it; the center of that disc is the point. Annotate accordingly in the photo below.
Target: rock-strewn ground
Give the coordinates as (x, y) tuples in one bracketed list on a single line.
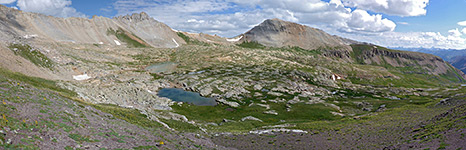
[(39, 118)]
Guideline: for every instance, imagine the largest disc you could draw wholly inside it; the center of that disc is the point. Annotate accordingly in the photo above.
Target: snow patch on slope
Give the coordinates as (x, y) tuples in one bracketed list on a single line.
[(116, 42), (177, 45), (30, 36), (271, 131), (81, 77), (235, 39)]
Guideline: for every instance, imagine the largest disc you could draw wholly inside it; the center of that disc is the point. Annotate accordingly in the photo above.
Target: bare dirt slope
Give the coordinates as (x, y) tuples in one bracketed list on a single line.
[(21, 24), (17, 63)]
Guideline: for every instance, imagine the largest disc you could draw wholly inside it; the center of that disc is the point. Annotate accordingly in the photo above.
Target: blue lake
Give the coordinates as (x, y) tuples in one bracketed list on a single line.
[(181, 95)]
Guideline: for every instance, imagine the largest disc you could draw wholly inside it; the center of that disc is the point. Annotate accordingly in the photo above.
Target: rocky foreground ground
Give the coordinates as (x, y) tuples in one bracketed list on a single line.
[(40, 118), (50, 119)]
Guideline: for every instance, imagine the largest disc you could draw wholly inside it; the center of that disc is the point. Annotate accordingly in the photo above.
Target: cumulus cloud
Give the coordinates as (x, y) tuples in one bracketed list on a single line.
[(58, 8), (361, 21), (7, 1), (185, 15), (391, 7), (464, 30), (462, 23), (455, 32)]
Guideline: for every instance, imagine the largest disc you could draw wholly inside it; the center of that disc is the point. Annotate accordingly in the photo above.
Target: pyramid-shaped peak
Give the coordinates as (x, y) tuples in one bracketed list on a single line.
[(279, 33)]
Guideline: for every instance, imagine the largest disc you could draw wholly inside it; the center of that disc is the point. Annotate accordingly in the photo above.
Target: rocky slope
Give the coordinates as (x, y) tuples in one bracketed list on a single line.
[(279, 33), (17, 24), (417, 62), (34, 117), (46, 33), (445, 54), (457, 58)]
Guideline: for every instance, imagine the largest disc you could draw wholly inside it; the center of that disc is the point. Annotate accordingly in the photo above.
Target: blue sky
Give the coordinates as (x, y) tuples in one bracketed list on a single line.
[(392, 23), (442, 15)]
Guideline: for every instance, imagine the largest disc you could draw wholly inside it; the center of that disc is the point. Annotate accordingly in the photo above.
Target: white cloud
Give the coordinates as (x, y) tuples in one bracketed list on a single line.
[(7, 1), (58, 8), (464, 30), (361, 21), (462, 23), (391, 7), (403, 23), (413, 40), (455, 32)]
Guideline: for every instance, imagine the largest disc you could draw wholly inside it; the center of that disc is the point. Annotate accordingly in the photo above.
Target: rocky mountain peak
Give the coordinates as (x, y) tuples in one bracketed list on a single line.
[(276, 26), (135, 17), (7, 10), (3, 7), (280, 33)]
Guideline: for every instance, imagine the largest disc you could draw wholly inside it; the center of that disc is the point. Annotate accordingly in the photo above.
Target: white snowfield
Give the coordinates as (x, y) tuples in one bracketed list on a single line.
[(150, 92), (116, 42), (30, 36), (177, 45), (81, 77), (235, 40)]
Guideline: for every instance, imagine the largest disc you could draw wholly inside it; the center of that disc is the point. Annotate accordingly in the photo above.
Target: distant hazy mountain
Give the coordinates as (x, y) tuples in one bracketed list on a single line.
[(459, 62)]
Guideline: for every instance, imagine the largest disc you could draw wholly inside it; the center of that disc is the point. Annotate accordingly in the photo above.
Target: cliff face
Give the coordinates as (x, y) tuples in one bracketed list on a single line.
[(18, 24), (429, 64), (279, 33)]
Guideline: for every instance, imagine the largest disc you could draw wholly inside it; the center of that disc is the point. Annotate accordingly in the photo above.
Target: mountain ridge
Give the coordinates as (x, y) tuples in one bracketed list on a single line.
[(82, 30), (140, 30), (280, 33)]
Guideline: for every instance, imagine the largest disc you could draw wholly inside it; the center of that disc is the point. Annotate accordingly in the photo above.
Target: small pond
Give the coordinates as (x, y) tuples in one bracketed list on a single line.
[(162, 67), (181, 95)]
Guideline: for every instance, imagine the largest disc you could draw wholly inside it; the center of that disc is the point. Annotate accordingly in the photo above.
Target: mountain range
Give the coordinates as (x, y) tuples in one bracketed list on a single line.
[(130, 82)]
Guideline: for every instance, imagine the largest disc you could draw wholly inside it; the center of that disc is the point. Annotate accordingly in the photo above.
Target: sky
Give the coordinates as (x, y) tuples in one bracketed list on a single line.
[(390, 23)]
